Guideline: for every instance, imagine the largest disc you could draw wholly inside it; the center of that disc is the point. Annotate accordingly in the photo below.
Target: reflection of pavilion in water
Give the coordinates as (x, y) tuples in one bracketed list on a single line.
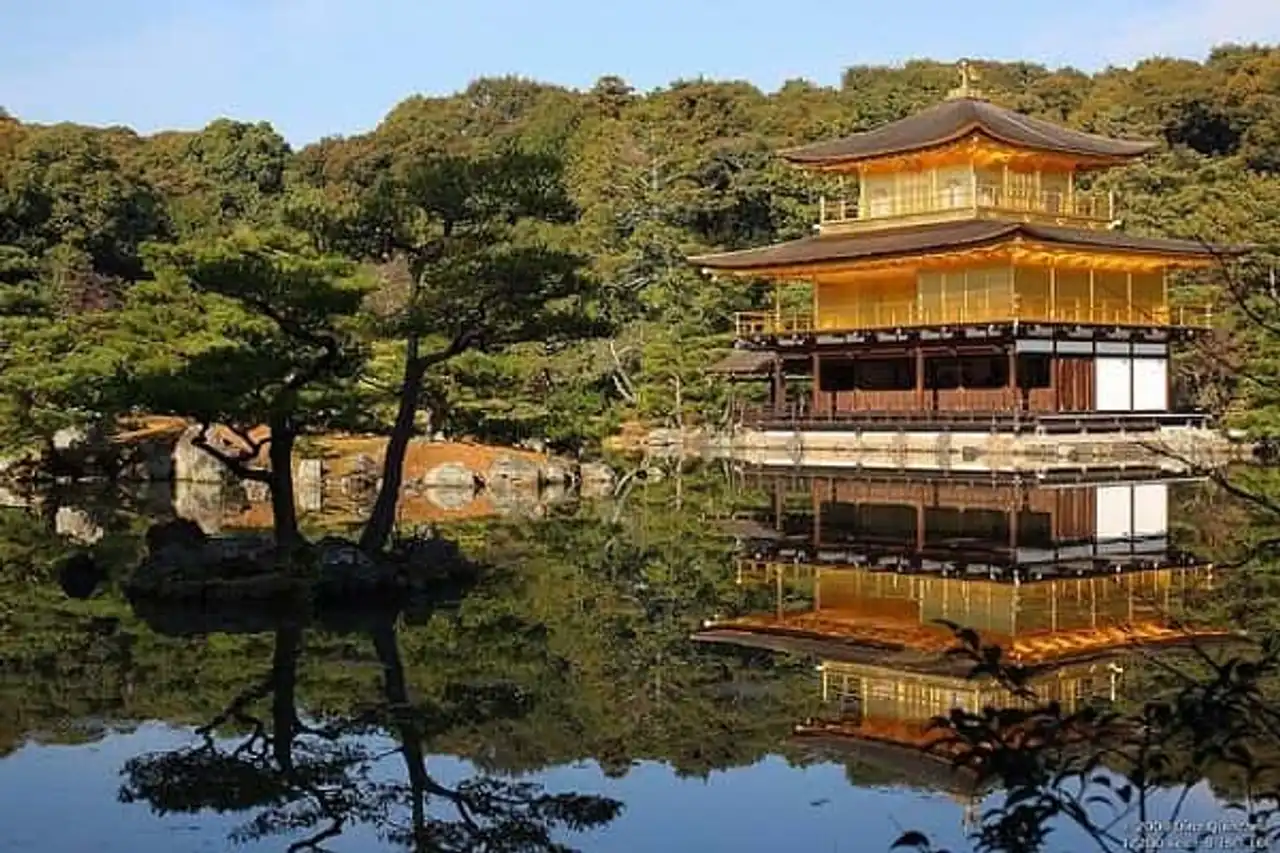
[(861, 574), (962, 525)]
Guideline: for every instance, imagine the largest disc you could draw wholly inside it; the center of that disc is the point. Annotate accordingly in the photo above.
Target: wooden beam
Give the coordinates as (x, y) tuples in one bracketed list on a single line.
[(1053, 291), (1128, 285), (919, 377), (1012, 383)]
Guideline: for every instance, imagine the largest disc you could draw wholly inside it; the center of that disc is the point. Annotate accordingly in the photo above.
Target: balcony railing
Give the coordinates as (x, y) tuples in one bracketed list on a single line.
[(750, 324), (1057, 205), (799, 415)]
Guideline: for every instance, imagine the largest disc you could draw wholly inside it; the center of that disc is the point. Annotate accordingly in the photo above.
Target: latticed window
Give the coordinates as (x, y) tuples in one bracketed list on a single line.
[(953, 193), (881, 202)]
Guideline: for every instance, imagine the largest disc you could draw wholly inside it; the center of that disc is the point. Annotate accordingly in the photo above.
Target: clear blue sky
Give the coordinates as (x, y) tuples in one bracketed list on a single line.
[(319, 67)]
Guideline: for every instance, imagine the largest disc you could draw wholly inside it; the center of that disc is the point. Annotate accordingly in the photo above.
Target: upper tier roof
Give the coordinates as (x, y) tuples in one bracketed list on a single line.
[(948, 236), (955, 119)]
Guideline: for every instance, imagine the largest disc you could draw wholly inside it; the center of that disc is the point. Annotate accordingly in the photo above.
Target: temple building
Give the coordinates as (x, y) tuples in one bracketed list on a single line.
[(973, 276)]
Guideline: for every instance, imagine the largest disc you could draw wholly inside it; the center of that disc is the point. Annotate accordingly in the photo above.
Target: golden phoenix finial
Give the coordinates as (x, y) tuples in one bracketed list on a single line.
[(968, 79)]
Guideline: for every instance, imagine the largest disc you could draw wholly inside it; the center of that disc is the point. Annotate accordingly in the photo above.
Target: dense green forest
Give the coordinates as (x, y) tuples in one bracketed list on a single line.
[(610, 190)]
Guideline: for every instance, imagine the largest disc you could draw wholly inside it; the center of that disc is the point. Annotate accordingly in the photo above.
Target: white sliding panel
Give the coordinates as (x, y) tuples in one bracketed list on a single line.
[(1150, 385), (1151, 509), (1114, 512), (1112, 384)]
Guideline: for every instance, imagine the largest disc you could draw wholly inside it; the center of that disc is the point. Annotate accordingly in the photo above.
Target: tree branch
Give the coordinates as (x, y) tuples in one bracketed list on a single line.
[(290, 326), (234, 463), (460, 344), (621, 381)]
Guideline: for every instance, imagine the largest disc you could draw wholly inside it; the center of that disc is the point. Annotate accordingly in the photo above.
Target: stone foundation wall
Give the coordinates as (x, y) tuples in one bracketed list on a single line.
[(1175, 448)]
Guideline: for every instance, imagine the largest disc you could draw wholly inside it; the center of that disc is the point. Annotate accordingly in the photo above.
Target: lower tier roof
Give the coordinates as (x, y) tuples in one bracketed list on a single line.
[(951, 236)]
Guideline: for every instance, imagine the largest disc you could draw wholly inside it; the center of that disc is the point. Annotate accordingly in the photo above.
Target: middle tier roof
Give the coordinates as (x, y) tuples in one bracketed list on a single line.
[(808, 254)]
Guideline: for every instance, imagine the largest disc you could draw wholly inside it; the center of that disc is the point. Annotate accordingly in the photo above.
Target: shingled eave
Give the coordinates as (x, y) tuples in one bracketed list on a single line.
[(838, 248), (952, 121), (947, 237)]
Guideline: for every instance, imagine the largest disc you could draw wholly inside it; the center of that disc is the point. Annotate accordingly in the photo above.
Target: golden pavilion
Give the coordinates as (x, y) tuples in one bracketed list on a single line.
[(972, 274)]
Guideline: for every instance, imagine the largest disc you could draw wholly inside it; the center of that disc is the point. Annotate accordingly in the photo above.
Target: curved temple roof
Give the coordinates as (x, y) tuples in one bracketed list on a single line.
[(952, 120), (948, 236)]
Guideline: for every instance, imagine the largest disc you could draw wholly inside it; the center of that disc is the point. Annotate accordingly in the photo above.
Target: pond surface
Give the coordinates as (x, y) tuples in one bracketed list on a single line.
[(724, 661)]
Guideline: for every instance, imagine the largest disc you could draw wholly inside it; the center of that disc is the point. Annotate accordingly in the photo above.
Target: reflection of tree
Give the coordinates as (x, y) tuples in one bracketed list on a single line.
[(301, 776), (571, 646), (1122, 774), (491, 814), (315, 780)]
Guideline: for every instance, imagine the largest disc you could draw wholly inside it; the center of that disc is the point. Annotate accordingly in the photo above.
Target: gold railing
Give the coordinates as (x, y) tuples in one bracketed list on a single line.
[(1051, 204), (877, 316), (749, 323)]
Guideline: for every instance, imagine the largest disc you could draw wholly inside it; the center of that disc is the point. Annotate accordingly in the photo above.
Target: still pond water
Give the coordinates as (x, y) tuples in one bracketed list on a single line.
[(725, 661)]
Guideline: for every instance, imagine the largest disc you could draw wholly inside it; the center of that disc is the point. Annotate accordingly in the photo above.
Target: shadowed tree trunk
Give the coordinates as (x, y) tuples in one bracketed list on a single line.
[(284, 679), (396, 692), (383, 517), (283, 507)]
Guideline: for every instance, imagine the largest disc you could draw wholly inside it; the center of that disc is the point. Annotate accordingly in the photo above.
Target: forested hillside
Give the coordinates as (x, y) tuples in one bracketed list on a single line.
[(651, 178)]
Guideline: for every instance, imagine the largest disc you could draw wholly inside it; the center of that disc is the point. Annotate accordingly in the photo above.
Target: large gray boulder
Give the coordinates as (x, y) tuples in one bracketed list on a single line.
[(451, 498), (202, 503), (77, 525), (513, 469), (193, 465), (70, 438), (596, 479), (449, 475), (557, 472)]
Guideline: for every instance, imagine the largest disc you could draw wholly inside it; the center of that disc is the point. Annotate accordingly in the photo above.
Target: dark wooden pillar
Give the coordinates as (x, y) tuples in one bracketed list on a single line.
[(1058, 379), (817, 383), (1014, 401), (919, 377), (855, 401), (1132, 365)]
